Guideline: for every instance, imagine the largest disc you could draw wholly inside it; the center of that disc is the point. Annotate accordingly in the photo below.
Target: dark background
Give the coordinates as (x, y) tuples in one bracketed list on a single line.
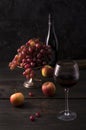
[(21, 20)]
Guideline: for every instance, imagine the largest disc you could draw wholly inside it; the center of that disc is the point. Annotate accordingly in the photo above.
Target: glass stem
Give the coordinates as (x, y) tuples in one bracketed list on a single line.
[(66, 102)]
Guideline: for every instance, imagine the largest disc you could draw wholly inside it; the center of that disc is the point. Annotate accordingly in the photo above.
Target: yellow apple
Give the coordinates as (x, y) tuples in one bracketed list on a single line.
[(47, 71), (48, 88), (17, 99)]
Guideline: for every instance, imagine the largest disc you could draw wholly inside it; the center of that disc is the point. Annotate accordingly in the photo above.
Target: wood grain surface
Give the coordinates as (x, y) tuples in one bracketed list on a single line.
[(13, 118)]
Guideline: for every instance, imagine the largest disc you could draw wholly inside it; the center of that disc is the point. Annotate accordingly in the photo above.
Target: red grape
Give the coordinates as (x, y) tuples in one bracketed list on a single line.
[(32, 74), (30, 50), (27, 66), (32, 117), (42, 51), (39, 55), (24, 60), (38, 45), (37, 114), (32, 64), (31, 94)]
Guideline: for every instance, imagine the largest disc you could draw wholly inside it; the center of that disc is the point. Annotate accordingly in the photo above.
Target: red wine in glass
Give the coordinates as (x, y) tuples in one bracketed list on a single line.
[(66, 80)]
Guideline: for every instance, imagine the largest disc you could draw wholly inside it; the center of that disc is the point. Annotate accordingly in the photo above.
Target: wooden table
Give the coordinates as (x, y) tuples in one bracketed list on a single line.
[(13, 118)]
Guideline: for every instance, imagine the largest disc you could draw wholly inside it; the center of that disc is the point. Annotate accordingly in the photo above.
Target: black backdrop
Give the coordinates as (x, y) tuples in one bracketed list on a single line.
[(21, 20)]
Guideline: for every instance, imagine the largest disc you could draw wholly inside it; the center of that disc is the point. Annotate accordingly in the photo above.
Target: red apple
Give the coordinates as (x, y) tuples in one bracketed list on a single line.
[(47, 71), (17, 99), (48, 88)]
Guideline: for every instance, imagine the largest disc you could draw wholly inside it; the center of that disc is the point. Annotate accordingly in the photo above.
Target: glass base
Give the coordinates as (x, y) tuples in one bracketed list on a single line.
[(31, 84), (28, 84), (67, 116)]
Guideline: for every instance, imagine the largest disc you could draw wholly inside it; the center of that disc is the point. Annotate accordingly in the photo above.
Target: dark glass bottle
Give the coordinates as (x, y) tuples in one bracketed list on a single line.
[(52, 40)]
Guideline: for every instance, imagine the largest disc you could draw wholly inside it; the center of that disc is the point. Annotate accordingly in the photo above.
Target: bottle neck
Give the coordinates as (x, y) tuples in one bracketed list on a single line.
[(48, 35), (51, 33), (51, 29)]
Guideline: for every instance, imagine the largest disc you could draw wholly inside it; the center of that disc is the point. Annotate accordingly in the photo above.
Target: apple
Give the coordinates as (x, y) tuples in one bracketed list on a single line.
[(17, 99), (47, 71), (48, 88)]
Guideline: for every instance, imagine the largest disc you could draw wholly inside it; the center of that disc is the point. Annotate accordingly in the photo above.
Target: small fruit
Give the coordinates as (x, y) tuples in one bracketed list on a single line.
[(31, 94), (37, 114), (32, 117), (47, 71), (17, 99), (48, 88)]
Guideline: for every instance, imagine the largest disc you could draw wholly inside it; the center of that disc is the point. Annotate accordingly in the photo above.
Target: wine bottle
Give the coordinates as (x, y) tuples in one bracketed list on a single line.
[(52, 41)]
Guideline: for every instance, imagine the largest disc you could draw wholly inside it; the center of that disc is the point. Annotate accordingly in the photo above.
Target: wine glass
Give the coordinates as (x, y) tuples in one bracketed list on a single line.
[(66, 74)]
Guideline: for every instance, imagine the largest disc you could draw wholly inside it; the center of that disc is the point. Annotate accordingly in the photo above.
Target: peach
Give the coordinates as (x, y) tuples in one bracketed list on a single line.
[(48, 88), (17, 99), (47, 71)]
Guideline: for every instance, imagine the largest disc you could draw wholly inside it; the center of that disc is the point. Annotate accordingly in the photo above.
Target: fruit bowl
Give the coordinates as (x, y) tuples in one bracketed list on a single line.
[(32, 82), (31, 57)]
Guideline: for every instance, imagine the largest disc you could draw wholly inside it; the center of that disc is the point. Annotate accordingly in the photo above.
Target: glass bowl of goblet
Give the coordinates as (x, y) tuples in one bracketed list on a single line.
[(66, 74)]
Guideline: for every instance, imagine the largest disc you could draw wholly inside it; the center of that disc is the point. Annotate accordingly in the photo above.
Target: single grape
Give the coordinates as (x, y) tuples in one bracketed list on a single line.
[(27, 71), (29, 60), (30, 50), (39, 55), (32, 117), (31, 94), (24, 60), (38, 45), (27, 66), (37, 114), (32, 64), (32, 74)]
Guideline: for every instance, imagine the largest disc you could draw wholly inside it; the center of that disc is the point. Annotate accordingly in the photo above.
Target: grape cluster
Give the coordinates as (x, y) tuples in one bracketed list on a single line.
[(31, 55)]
